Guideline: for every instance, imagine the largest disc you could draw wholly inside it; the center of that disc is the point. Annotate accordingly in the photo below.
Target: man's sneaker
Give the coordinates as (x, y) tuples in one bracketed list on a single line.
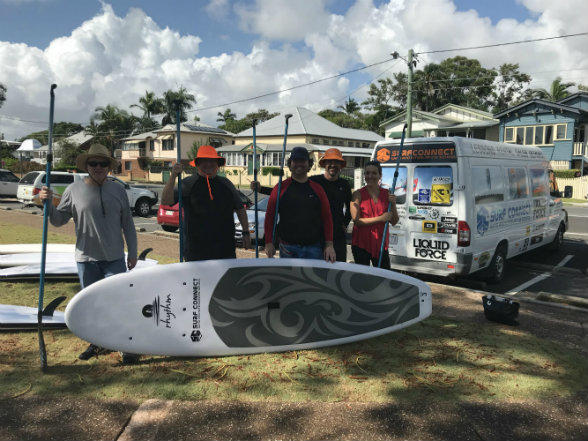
[(92, 351), (130, 358)]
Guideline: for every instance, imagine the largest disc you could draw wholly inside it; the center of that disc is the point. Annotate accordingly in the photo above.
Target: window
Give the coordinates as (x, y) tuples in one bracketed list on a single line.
[(529, 135), (579, 134), (127, 165), (325, 141), (560, 131), (151, 145), (520, 135), (349, 143), (517, 181), (365, 145), (29, 178), (8, 177), (488, 184), (357, 144), (538, 135), (432, 185), (508, 134), (167, 144), (539, 184), (59, 178), (315, 140), (548, 134), (388, 177)]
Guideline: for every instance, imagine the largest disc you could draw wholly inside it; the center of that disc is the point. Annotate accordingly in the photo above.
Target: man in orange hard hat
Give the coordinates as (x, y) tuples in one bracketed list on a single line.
[(209, 201), (338, 192)]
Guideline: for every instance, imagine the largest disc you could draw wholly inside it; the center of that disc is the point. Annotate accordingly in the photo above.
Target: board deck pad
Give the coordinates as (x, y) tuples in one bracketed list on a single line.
[(244, 306)]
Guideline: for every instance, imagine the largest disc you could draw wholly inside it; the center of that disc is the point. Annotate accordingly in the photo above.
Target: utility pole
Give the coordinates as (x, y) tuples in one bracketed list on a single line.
[(411, 63)]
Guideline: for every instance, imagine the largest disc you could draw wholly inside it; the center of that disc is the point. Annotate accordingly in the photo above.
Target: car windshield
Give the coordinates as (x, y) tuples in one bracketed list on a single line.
[(261, 205), (29, 178)]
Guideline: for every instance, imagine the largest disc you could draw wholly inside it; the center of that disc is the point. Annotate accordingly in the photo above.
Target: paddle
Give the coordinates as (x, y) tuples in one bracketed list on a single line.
[(393, 191), (287, 117), (255, 192), (179, 160), (46, 208)]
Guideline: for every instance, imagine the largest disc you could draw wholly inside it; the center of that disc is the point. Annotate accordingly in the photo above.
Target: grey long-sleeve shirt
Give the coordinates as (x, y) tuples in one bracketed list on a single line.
[(98, 233)]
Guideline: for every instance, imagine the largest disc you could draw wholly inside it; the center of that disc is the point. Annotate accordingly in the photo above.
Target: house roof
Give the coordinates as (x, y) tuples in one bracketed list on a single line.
[(482, 113), (422, 114), (541, 102), (573, 95), (305, 122), (140, 136), (263, 147), (200, 128)]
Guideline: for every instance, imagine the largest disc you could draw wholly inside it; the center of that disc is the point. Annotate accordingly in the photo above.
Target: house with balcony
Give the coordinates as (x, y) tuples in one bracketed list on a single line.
[(448, 120), (306, 129), (558, 128), (160, 145)]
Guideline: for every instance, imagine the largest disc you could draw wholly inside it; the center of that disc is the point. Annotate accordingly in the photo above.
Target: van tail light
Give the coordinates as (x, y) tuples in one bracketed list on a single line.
[(464, 234), (36, 191)]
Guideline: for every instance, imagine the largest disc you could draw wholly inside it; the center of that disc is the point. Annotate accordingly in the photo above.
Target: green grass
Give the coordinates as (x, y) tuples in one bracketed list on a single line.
[(10, 233), (574, 201), (438, 359)]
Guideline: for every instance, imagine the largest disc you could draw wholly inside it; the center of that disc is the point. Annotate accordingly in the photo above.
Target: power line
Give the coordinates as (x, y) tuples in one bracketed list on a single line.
[(501, 44)]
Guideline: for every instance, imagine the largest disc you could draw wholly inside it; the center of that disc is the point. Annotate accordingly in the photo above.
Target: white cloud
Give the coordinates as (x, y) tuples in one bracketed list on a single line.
[(218, 9), (113, 59)]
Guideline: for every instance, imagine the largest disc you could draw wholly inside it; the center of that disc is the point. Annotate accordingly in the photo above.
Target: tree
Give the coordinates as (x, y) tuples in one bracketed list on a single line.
[(171, 98), (381, 97), (111, 124), (61, 129), (67, 151), (150, 105), (225, 116), (509, 90), (261, 115), (343, 119), (2, 94), (558, 91), (351, 106)]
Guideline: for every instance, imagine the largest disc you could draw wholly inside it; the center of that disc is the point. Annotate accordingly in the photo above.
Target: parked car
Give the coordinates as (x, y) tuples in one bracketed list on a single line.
[(140, 199), (8, 183), (261, 207), (168, 217)]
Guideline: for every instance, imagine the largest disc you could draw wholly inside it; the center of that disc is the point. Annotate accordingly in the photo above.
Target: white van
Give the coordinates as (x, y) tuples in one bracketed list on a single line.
[(467, 205)]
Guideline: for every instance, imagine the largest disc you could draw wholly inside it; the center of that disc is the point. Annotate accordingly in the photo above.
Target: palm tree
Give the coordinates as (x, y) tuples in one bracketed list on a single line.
[(225, 116), (171, 99), (150, 105), (110, 124), (558, 91), (351, 106)]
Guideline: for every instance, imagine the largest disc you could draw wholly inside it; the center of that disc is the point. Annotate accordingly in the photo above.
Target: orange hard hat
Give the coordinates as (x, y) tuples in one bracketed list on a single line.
[(332, 155), (209, 152)]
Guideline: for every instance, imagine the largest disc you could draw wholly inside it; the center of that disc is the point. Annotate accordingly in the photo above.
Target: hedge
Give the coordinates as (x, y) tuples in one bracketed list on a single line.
[(572, 173)]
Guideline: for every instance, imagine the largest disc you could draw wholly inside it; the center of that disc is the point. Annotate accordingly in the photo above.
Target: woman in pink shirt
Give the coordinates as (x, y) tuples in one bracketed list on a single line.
[(369, 211)]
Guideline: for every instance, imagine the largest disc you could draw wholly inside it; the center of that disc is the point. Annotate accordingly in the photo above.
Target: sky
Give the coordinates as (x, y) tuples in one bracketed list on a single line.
[(100, 52)]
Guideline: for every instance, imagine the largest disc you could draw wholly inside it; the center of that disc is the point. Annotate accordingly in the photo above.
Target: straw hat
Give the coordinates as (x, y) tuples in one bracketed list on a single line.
[(209, 152), (95, 151), (332, 155)]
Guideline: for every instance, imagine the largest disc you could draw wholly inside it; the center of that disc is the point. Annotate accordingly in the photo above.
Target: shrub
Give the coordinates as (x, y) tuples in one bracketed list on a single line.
[(572, 173)]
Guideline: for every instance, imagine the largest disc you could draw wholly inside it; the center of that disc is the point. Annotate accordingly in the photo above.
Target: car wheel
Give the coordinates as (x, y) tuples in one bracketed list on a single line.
[(497, 266), (558, 239), (169, 228), (142, 207)]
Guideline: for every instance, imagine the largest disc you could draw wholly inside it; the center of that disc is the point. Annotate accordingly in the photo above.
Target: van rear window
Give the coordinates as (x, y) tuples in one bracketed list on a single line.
[(388, 178), (432, 185), (29, 178)]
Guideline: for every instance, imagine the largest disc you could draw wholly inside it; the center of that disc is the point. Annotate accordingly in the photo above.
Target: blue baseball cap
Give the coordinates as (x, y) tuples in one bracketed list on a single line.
[(299, 153)]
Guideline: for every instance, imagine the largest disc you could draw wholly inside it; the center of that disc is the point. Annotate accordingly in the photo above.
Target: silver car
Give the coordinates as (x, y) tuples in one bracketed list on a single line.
[(261, 207), (8, 183)]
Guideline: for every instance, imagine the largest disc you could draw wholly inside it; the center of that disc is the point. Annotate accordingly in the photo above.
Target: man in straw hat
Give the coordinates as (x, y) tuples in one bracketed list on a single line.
[(209, 202), (102, 215), (338, 193)]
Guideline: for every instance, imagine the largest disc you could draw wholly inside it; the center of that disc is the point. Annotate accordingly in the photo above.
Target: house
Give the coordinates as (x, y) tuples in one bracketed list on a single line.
[(448, 120), (558, 128), (81, 139), (305, 128), (160, 145)]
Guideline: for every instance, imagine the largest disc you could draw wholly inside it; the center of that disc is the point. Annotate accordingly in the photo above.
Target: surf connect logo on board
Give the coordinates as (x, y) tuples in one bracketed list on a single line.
[(196, 335)]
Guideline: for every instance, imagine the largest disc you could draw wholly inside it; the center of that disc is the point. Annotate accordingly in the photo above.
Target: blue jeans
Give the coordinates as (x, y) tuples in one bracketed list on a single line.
[(91, 272), (293, 251)]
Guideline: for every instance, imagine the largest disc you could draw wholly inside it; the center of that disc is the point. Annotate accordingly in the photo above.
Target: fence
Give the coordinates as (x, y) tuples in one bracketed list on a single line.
[(579, 186)]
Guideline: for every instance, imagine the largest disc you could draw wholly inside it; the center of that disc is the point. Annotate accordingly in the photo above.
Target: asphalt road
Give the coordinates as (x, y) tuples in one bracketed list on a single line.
[(539, 271)]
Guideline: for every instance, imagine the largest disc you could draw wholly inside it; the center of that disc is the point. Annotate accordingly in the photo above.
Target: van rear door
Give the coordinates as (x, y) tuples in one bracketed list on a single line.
[(426, 204)]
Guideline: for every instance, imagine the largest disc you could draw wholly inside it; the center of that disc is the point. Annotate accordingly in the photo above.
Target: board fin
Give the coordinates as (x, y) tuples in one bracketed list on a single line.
[(144, 253), (50, 308)]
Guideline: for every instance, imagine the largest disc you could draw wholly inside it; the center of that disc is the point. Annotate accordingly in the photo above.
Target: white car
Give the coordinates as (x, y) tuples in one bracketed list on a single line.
[(8, 183), (140, 199), (262, 207)]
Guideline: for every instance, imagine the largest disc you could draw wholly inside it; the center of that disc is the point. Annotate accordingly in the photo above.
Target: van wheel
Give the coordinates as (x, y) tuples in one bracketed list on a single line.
[(497, 266), (142, 207), (558, 239), (169, 228)]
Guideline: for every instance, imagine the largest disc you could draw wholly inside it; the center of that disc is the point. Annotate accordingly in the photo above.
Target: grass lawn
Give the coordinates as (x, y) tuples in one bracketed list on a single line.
[(438, 359), (574, 201)]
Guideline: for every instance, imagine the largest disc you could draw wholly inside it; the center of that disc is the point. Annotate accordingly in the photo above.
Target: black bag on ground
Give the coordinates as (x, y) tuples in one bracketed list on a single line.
[(501, 310)]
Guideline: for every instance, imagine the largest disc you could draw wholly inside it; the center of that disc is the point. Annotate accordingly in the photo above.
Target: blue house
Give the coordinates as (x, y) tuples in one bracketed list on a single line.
[(559, 129)]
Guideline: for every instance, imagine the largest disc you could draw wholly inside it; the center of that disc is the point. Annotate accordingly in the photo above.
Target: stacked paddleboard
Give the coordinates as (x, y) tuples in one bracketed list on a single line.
[(245, 306), (21, 318)]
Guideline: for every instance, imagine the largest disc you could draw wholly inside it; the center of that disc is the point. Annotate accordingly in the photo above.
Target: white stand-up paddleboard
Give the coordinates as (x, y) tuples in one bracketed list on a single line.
[(244, 306), (17, 248), (14, 317), (8, 260)]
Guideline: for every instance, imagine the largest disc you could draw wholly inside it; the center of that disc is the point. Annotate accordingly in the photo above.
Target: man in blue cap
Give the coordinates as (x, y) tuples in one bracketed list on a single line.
[(304, 213)]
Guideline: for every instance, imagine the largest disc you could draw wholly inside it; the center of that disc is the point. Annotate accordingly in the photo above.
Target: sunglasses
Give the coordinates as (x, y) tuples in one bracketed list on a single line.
[(102, 164)]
